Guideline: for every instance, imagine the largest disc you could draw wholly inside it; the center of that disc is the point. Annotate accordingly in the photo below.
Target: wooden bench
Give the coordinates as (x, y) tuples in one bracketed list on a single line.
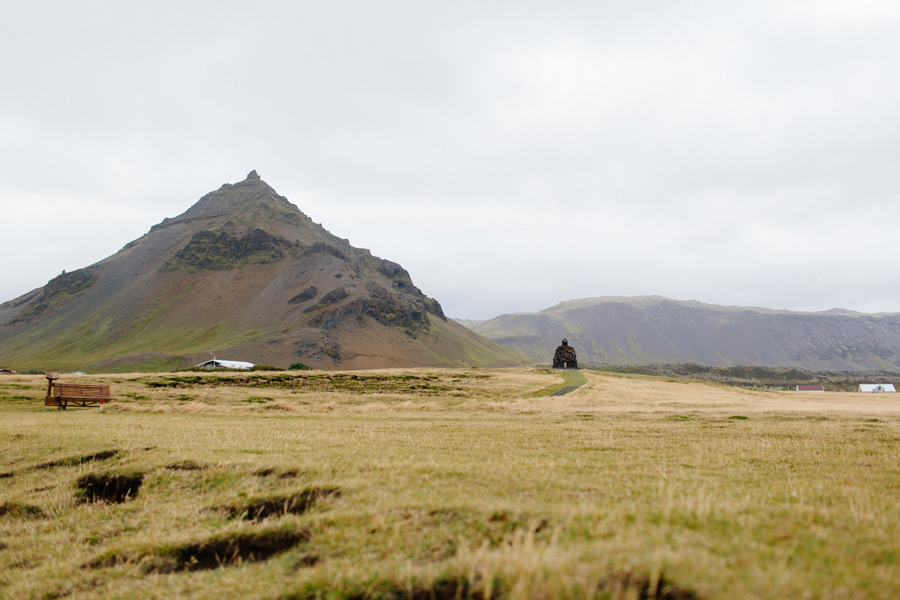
[(61, 395)]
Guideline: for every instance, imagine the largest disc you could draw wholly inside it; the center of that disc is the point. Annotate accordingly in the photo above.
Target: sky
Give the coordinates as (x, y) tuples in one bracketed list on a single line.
[(510, 155)]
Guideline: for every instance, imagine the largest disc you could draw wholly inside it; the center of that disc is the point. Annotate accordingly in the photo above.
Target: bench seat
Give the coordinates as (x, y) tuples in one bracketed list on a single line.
[(62, 395)]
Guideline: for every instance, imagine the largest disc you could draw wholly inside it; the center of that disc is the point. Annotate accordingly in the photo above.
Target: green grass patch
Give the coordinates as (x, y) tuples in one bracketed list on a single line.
[(572, 380)]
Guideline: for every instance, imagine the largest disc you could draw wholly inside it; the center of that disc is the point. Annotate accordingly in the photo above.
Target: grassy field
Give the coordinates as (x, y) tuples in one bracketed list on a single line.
[(457, 483)]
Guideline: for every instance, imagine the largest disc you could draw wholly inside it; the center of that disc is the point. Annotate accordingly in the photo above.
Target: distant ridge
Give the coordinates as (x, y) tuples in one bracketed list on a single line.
[(647, 330), (245, 274)]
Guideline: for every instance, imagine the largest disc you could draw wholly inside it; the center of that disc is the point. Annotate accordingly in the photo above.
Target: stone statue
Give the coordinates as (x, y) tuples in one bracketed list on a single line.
[(564, 357)]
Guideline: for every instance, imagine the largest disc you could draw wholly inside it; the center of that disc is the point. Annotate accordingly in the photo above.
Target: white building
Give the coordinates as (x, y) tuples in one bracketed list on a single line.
[(877, 387), (217, 363)]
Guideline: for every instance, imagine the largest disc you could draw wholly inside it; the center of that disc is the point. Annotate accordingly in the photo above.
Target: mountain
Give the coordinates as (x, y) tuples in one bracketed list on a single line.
[(656, 330), (245, 274)]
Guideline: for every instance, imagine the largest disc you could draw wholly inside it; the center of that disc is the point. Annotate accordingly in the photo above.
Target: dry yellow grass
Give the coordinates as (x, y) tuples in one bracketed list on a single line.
[(451, 482)]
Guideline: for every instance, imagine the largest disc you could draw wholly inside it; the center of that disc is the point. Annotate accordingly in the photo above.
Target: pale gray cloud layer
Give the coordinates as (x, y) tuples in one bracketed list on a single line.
[(510, 154)]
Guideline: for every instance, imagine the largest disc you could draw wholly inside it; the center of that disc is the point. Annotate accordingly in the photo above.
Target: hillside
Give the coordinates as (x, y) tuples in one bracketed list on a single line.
[(656, 330), (245, 274)]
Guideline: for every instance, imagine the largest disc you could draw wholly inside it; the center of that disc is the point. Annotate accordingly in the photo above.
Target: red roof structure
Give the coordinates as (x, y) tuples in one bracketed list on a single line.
[(809, 387)]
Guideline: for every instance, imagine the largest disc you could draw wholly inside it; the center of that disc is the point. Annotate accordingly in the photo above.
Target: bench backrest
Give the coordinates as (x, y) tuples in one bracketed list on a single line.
[(81, 390)]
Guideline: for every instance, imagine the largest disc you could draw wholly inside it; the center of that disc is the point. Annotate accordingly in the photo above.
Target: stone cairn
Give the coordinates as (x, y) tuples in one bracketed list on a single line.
[(564, 357)]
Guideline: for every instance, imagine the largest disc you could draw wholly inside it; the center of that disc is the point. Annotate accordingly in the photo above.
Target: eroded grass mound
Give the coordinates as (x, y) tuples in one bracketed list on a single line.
[(114, 489), (293, 504), (20, 510), (73, 461), (225, 551)]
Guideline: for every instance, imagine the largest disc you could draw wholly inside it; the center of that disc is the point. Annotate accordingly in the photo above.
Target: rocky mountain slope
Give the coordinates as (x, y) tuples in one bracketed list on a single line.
[(655, 330), (245, 274)]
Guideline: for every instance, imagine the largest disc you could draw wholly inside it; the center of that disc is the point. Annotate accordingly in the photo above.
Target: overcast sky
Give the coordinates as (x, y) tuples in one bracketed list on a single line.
[(510, 155)]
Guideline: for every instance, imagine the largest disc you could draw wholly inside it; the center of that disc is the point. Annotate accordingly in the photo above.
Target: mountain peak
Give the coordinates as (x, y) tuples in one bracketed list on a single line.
[(228, 198), (242, 271)]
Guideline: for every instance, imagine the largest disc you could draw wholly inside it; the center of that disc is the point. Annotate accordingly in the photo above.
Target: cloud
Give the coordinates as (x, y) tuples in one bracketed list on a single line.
[(510, 155)]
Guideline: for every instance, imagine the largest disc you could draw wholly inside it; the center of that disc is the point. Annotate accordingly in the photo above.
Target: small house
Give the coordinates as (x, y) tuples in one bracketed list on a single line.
[(876, 387), (225, 364), (809, 387)]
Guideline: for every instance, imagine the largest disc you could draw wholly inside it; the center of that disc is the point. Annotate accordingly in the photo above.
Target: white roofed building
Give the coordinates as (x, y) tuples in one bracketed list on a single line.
[(876, 387), (217, 363)]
